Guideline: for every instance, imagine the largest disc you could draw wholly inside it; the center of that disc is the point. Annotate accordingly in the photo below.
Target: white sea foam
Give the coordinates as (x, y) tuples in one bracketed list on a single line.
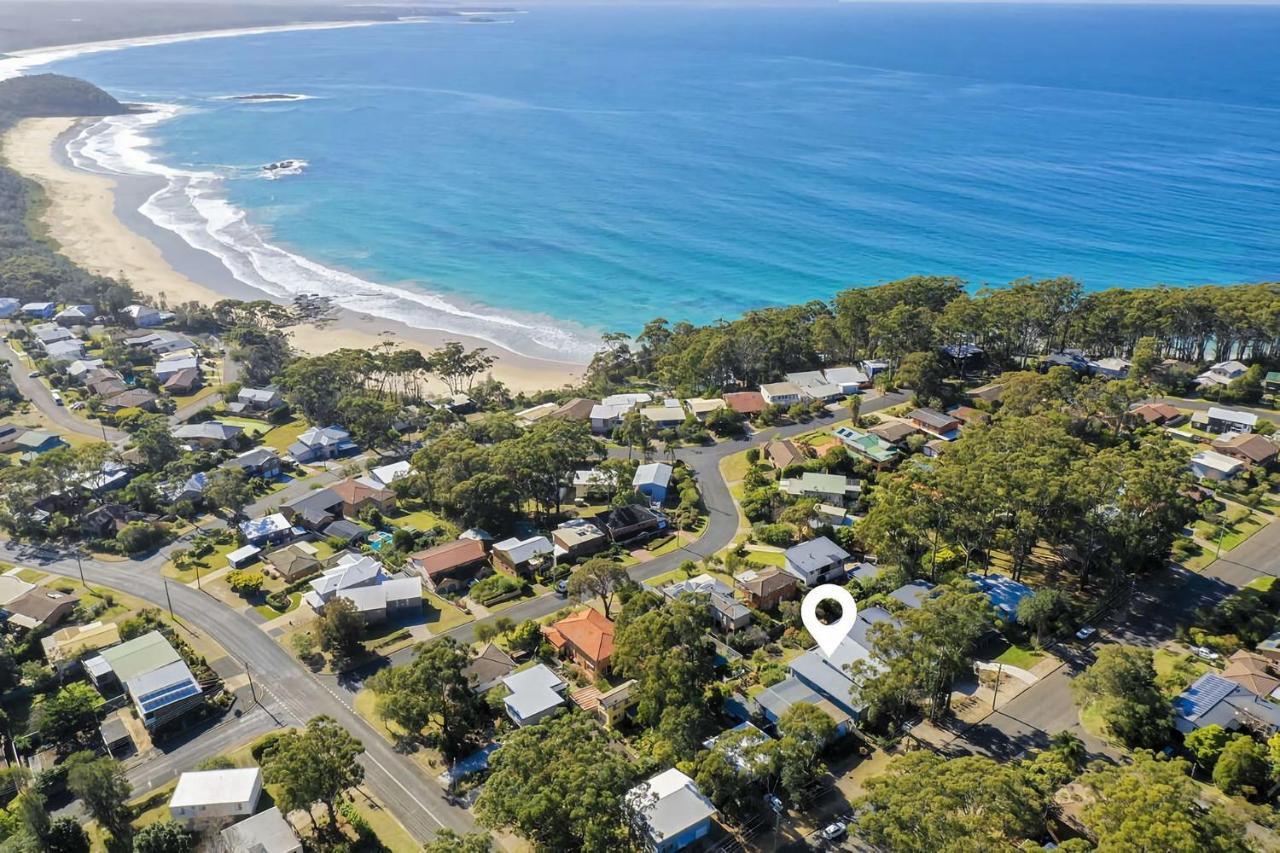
[(192, 205), (266, 98)]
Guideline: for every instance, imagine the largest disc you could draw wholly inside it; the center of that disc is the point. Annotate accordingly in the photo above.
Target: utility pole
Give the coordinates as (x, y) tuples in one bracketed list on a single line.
[(253, 691), (80, 566), (169, 600), (1222, 529), (996, 691)]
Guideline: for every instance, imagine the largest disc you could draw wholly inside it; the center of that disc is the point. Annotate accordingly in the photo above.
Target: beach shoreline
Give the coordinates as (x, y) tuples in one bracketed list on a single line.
[(95, 220)]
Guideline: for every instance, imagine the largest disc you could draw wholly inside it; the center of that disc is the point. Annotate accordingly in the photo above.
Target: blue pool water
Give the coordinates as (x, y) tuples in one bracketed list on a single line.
[(585, 169)]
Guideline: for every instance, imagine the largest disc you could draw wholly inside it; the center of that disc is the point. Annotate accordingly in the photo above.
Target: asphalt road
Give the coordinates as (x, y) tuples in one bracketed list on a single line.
[(38, 393)]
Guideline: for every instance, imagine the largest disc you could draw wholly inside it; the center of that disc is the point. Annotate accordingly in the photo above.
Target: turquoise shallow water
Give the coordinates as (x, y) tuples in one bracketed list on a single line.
[(577, 170)]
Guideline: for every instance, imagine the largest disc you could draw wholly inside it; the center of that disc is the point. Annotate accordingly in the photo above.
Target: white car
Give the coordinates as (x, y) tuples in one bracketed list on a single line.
[(1086, 633), (773, 802), (1206, 654), (832, 831), (35, 374), (57, 398)]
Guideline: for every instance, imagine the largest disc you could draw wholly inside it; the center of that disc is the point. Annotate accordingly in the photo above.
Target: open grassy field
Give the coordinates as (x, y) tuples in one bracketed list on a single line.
[(282, 436)]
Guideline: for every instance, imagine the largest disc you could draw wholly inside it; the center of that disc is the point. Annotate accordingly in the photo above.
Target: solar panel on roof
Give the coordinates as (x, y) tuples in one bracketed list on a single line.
[(167, 696), (1200, 697)]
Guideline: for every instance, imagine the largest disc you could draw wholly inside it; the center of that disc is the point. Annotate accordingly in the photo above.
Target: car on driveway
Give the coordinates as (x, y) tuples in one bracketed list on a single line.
[(1204, 653), (833, 831), (1086, 633)]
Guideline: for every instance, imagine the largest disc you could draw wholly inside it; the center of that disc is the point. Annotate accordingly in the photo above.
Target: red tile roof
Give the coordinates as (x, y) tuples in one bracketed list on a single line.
[(451, 555), (588, 631), (746, 402)]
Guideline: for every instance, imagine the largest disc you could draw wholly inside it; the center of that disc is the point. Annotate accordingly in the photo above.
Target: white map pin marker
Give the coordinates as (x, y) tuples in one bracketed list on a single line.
[(828, 637)]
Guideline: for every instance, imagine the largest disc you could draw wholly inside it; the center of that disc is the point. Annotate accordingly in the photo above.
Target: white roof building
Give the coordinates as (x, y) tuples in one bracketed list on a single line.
[(627, 401), (265, 832), (212, 794), (520, 551), (674, 811), (652, 474), (536, 693)]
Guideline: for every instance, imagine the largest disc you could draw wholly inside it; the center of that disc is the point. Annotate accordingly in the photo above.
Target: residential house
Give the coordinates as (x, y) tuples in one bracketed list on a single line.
[(80, 369), (826, 488), (747, 736), (935, 423), (134, 398), (451, 566), (664, 417), (1270, 382), (578, 538), (814, 385), (64, 351), (153, 675), (292, 563), (348, 532), (259, 462), (1159, 414), (260, 399), (674, 813), (870, 447), (64, 646), (48, 334), (169, 366), (702, 408), (39, 609), (75, 315), (817, 561), (272, 529), (315, 510), (873, 367), (894, 432), (576, 409), (265, 832), (933, 448), (609, 706), (362, 581), (990, 394), (41, 310), (593, 484), (517, 556), (652, 480), (782, 453), (586, 637), (912, 594), (1112, 368), (1250, 448), (969, 416), (604, 418), (1228, 420), (536, 693), (1214, 466), (630, 400), (210, 435), (13, 587), (749, 403), (243, 556), (321, 443), (631, 521), (384, 475), (183, 382), (36, 441), (105, 383), (1253, 672), (533, 414), (848, 379), (1215, 700), (1004, 593), (726, 611), (9, 435), (781, 393), (214, 797), (146, 317), (106, 521), (764, 589), (358, 496), (487, 669), (1072, 359), (1221, 374)]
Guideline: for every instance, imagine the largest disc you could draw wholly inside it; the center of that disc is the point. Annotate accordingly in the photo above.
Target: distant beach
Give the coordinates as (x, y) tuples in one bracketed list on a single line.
[(86, 214)]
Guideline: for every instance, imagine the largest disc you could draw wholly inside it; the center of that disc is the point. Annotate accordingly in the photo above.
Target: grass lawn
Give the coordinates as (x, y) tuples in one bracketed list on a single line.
[(366, 706), (268, 612), (735, 467), (210, 562), (440, 615), (1233, 534), (1175, 670), (251, 426), (31, 575), (1091, 720), (413, 516), (1023, 657), (1263, 583), (768, 558), (282, 436), (187, 399)]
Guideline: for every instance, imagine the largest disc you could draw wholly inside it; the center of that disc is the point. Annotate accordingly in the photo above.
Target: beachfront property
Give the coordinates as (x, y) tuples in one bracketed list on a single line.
[(781, 393), (870, 447), (1208, 465), (536, 693), (321, 443), (817, 561), (652, 480), (146, 317), (212, 798), (1219, 420), (152, 674), (672, 811), (605, 417), (533, 414), (1222, 374)]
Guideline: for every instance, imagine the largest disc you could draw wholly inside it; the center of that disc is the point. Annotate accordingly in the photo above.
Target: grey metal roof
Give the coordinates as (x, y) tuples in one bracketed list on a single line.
[(816, 554)]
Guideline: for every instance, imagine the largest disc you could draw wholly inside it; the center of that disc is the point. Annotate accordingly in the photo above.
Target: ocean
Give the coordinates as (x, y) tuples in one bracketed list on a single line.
[(535, 179)]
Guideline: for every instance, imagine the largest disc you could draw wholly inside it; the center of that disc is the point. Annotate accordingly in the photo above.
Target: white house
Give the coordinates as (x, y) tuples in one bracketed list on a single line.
[(629, 401), (265, 832), (375, 595), (1222, 373), (873, 367), (216, 795), (319, 443), (781, 393), (536, 693), (1221, 420), (144, 316), (816, 561), (604, 417), (1215, 466), (848, 379), (674, 812)]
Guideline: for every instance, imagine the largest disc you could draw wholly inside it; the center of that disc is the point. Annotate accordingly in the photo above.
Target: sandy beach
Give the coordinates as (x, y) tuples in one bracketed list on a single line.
[(81, 216)]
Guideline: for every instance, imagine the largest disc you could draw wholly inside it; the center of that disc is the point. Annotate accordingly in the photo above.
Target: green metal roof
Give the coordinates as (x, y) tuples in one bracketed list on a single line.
[(140, 655)]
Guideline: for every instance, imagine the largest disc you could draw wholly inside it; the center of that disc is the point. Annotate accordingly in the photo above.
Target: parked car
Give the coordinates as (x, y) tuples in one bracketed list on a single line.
[(1204, 653), (57, 398), (1086, 633), (35, 374), (773, 802), (832, 831), (562, 588)]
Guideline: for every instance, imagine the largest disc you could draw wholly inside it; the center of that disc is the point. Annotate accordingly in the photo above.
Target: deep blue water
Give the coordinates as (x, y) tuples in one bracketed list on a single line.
[(608, 165)]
